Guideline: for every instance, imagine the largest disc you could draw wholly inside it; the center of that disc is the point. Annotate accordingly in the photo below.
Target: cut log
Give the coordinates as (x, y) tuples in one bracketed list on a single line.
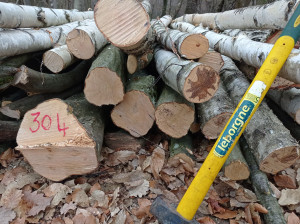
[(214, 114), (104, 83), (212, 59), (261, 187), (59, 58), (190, 46), (242, 48), (135, 113), (8, 130), (22, 16), (120, 140), (253, 17), (137, 63), (275, 148), (35, 82), (74, 130), (236, 167), (18, 108), (86, 41), (21, 41), (174, 114), (196, 82), (124, 23)]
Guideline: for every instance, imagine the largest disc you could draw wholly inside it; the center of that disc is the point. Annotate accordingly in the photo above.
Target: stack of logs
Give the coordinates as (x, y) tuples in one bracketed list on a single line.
[(109, 60)]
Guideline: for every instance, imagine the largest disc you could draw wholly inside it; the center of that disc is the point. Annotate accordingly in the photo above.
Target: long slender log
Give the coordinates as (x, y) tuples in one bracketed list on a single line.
[(86, 41), (212, 59), (196, 82), (22, 16), (59, 58), (190, 46), (242, 48), (253, 17), (21, 41), (104, 84), (74, 130), (262, 188), (18, 108), (174, 114), (275, 148), (36, 82), (214, 114), (135, 113), (8, 130)]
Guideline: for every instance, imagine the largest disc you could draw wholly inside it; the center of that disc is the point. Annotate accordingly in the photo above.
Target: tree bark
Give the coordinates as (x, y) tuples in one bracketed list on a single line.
[(104, 84), (35, 82), (253, 17), (15, 42), (212, 59), (8, 130), (86, 41), (135, 113), (120, 140), (74, 130), (194, 81), (174, 114), (236, 167), (242, 48), (275, 149), (59, 58), (137, 63), (23, 16), (262, 188), (190, 46), (214, 114), (18, 108)]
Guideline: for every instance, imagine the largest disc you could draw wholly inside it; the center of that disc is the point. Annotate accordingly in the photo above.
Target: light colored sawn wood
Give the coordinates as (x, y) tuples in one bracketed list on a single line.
[(212, 59)]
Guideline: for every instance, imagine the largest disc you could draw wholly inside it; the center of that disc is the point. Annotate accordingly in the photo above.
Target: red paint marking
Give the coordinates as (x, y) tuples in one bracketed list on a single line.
[(35, 120), (49, 124), (58, 126)]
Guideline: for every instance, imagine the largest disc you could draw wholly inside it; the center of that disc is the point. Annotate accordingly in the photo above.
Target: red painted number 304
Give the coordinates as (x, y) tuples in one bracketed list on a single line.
[(46, 122)]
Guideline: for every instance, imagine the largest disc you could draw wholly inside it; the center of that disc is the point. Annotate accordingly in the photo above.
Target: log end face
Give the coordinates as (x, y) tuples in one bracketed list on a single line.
[(123, 23), (132, 64), (201, 84), (103, 87), (194, 46), (80, 44), (174, 119), (53, 62), (213, 128), (230, 171), (212, 59), (280, 159), (134, 114)]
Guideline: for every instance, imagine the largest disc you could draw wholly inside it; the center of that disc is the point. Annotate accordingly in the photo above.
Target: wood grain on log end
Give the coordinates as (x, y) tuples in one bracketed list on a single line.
[(53, 62), (123, 23), (51, 151), (212, 59), (103, 87), (213, 128), (134, 114), (201, 84), (280, 159), (194, 46), (231, 171), (174, 119), (80, 44)]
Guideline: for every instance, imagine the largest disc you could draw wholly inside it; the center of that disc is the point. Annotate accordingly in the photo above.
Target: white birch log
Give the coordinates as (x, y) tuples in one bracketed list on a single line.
[(15, 42), (242, 48), (59, 58), (86, 41), (190, 46), (147, 6), (273, 146), (194, 81), (23, 16), (270, 16)]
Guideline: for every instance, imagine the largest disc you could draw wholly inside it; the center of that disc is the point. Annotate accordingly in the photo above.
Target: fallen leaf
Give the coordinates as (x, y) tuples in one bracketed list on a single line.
[(228, 214), (7, 156), (245, 195), (67, 220), (19, 221), (11, 175), (157, 161), (6, 215), (81, 219), (130, 177), (101, 198), (144, 209), (206, 220), (57, 221), (120, 218), (66, 207), (58, 191), (183, 160), (285, 181), (275, 190), (260, 208), (11, 198), (289, 197), (36, 202), (80, 198), (140, 190), (293, 219), (120, 157), (95, 187)]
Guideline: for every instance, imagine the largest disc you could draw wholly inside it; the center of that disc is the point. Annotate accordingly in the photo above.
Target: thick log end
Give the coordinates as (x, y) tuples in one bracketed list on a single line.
[(201, 84), (213, 128), (237, 171), (194, 46), (134, 114), (123, 23), (174, 119), (103, 87), (212, 59)]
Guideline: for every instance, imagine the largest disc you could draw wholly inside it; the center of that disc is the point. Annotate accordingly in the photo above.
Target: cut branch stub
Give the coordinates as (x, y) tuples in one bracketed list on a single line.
[(123, 23), (71, 146)]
